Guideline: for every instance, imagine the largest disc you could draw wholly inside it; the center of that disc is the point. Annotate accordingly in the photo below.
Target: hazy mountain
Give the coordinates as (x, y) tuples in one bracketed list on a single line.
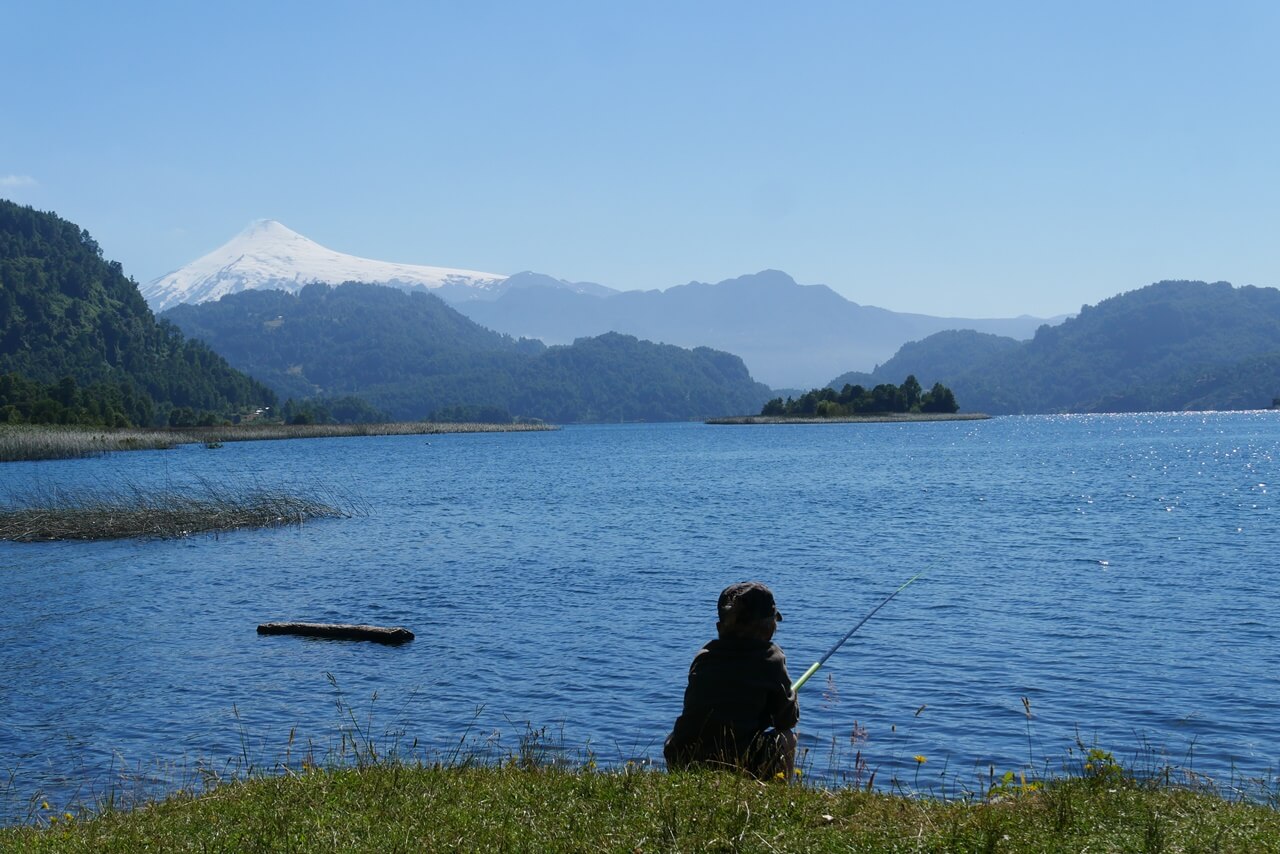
[(527, 280), (1171, 346), (410, 355), (787, 334), (66, 312), (269, 256)]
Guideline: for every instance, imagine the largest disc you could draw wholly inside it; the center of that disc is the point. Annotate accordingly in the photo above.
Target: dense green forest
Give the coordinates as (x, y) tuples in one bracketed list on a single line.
[(79, 345), (857, 400), (24, 401), (1171, 346), (337, 341), (412, 356), (935, 356)]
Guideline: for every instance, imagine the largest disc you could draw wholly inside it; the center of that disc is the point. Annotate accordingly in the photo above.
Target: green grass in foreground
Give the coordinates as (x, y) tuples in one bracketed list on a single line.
[(400, 807)]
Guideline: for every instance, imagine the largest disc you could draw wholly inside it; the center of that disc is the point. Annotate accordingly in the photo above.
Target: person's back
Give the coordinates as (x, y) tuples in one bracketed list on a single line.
[(738, 706)]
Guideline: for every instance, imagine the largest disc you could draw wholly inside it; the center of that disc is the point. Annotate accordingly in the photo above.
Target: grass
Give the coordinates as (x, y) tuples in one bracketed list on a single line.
[(132, 511), (397, 806), (369, 795), (45, 442)]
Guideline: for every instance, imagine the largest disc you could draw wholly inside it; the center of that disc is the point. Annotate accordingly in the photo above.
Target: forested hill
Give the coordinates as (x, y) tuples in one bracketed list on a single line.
[(72, 320), (411, 355), (943, 354), (1171, 346), (326, 340)]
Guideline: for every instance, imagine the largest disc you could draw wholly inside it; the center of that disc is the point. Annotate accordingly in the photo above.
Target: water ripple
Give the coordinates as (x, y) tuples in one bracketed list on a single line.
[(1114, 570)]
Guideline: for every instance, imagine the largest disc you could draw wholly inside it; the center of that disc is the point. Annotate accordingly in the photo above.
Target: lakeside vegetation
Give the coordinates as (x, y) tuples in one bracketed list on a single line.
[(134, 512), (47, 442), (390, 805)]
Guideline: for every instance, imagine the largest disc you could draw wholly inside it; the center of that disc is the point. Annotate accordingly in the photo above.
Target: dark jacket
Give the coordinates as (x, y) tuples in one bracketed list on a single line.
[(738, 690)]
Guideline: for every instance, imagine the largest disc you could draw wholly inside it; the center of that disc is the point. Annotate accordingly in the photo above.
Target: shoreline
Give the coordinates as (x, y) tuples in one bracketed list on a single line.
[(870, 418), (258, 432), (32, 442)]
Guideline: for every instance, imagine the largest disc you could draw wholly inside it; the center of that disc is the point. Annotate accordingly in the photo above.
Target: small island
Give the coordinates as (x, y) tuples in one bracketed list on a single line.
[(853, 403)]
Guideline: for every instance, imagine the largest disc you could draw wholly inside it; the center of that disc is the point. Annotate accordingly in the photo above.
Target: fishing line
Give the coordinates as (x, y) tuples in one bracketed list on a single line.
[(813, 668)]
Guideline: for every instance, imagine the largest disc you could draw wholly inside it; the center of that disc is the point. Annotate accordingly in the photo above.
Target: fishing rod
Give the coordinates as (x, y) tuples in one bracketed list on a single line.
[(813, 668)]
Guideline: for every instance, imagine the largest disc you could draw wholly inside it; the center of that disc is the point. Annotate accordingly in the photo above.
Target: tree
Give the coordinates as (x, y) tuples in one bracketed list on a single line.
[(939, 399), (885, 397), (911, 393)]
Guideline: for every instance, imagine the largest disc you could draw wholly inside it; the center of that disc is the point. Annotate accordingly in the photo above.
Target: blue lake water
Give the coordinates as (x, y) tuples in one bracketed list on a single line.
[(1116, 571)]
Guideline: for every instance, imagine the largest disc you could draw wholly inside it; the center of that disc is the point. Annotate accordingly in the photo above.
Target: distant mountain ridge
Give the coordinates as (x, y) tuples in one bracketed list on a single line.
[(411, 354), (1171, 346), (788, 334)]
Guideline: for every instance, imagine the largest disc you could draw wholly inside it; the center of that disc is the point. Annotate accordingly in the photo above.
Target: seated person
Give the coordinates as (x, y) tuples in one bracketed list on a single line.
[(738, 707)]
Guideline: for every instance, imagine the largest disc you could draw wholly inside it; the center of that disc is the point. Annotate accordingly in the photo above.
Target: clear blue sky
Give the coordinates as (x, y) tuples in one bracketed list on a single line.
[(951, 158)]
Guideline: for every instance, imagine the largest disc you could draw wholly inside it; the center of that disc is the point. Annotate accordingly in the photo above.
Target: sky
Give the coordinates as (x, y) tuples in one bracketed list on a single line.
[(976, 159)]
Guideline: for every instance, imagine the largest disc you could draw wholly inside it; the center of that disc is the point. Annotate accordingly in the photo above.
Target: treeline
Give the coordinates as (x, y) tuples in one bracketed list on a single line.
[(24, 401), (857, 400), (330, 410), (66, 313)]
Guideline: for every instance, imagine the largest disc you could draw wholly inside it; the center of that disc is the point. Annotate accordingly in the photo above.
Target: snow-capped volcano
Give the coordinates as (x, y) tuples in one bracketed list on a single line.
[(269, 256)]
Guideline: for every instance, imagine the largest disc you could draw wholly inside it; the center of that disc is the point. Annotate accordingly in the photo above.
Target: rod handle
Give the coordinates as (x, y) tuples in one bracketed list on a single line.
[(804, 677)]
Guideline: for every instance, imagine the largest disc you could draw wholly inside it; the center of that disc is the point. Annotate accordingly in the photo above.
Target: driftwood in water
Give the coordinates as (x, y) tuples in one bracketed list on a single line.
[(339, 631)]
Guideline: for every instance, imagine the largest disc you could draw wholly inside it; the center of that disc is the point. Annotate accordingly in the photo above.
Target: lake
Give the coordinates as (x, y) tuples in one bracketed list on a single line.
[(1115, 571)]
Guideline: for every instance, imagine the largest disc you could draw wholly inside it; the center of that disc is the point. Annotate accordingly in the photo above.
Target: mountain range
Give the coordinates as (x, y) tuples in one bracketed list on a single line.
[(1170, 346), (267, 255), (413, 356), (788, 334), (78, 344)]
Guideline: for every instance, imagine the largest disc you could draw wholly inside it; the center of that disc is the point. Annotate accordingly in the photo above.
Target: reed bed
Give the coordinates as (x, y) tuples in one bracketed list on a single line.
[(256, 432), (19, 442), (49, 442), (134, 512)]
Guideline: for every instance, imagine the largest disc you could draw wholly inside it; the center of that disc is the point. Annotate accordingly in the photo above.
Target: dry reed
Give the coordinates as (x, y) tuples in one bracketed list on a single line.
[(131, 511), (19, 442), (41, 442), (255, 432)]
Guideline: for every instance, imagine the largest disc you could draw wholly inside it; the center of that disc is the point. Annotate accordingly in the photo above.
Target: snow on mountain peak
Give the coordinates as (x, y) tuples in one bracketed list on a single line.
[(268, 255)]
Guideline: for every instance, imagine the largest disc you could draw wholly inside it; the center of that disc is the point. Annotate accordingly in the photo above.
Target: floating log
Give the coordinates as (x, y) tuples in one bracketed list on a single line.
[(339, 631)]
